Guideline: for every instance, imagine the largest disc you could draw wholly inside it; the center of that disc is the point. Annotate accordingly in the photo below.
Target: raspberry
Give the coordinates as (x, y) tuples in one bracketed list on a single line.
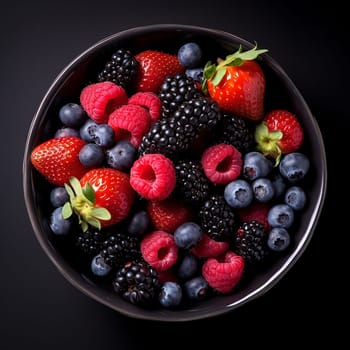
[(256, 211), (209, 248), (153, 176), (148, 100), (169, 214), (224, 272), (222, 163), (159, 249), (130, 122), (99, 100)]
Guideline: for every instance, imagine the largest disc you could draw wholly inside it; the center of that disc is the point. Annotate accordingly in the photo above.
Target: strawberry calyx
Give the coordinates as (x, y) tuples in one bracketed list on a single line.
[(82, 203), (216, 72), (267, 142)]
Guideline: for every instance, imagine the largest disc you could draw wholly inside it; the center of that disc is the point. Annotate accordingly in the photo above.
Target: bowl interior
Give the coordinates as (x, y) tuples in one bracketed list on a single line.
[(280, 93)]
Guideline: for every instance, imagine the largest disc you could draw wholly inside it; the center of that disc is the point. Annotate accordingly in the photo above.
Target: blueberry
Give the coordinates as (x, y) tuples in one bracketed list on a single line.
[(170, 294), (139, 223), (121, 156), (58, 224), (256, 165), (196, 288), (87, 130), (238, 193), (91, 155), (195, 73), (99, 266), (187, 266), (67, 131), (278, 183), (104, 135), (294, 166), (263, 189), (295, 197), (58, 196), (187, 235), (278, 239), (190, 55), (72, 114), (280, 215)]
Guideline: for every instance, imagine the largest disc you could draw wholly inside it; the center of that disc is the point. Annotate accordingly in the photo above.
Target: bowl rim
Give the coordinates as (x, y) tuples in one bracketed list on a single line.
[(87, 288)]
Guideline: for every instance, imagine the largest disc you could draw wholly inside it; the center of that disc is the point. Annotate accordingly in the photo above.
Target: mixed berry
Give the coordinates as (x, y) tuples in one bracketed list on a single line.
[(170, 178)]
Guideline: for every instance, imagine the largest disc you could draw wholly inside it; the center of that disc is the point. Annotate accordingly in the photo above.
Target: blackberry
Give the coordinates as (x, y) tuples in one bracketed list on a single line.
[(121, 69), (251, 242), (176, 90), (191, 183), (235, 131), (119, 248), (217, 218), (90, 242), (137, 282)]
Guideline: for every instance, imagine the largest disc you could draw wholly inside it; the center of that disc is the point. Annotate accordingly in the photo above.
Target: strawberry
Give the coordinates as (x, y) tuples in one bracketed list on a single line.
[(57, 159), (155, 66), (279, 133), (237, 84), (102, 197)]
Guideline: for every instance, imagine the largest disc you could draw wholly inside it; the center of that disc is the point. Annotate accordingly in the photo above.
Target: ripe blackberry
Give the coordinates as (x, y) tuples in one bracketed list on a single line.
[(119, 248), (191, 183), (176, 90), (137, 282), (251, 242), (121, 69), (90, 242), (217, 218)]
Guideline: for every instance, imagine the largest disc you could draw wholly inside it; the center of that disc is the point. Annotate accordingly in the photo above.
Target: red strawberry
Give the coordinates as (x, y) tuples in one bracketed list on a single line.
[(237, 84), (279, 133), (256, 211), (209, 248), (169, 214), (57, 159), (155, 66)]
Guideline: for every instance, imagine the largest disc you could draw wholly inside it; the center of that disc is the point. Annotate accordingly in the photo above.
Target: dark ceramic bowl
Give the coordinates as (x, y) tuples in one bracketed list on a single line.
[(280, 91)]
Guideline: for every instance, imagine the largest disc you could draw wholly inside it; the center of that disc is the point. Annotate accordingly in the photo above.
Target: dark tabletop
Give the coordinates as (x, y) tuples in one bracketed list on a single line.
[(39, 308)]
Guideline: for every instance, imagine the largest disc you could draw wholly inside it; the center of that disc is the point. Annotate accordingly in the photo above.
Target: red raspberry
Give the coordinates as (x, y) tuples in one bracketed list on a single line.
[(222, 163), (209, 248), (169, 214), (224, 272), (256, 211), (153, 176), (148, 100), (167, 275), (159, 249), (130, 122), (101, 99)]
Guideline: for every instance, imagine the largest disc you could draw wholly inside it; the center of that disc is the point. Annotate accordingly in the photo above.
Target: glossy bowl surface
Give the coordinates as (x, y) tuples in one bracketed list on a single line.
[(281, 91)]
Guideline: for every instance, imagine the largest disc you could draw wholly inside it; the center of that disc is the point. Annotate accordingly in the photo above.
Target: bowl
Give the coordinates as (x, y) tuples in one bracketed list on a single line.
[(169, 37)]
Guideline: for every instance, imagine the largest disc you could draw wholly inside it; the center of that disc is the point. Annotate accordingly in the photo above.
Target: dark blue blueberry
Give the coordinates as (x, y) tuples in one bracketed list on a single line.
[(99, 266), (58, 196), (190, 55), (196, 288), (195, 73), (278, 239), (279, 184), (67, 131), (294, 166), (58, 224), (187, 266), (295, 197), (72, 114), (263, 189), (256, 165), (238, 193), (104, 135), (91, 155), (87, 130), (280, 215), (121, 156), (170, 294), (187, 235), (139, 223)]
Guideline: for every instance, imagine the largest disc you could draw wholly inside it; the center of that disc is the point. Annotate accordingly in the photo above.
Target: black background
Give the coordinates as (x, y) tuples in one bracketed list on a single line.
[(39, 309)]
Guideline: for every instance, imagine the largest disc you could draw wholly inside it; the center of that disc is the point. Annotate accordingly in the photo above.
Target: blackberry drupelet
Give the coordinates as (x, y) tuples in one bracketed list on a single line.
[(119, 248), (122, 69), (191, 183), (138, 283), (251, 242), (90, 242), (218, 219)]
